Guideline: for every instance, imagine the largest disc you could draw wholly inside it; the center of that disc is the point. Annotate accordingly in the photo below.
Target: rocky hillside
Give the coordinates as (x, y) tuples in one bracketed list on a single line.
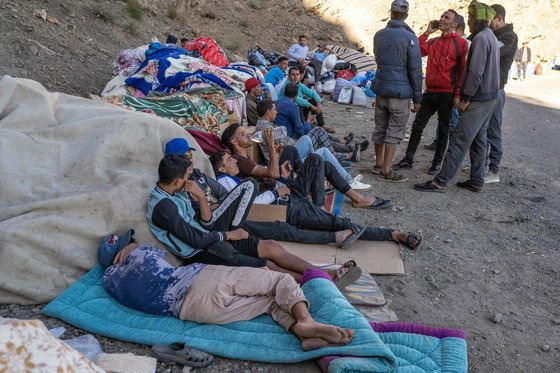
[(70, 46)]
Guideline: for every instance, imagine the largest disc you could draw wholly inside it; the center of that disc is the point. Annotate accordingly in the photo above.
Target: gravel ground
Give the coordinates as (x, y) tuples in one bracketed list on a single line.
[(489, 261)]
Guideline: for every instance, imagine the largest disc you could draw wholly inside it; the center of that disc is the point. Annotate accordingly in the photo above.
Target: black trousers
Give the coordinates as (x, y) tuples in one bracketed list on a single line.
[(432, 103), (305, 215), (238, 203)]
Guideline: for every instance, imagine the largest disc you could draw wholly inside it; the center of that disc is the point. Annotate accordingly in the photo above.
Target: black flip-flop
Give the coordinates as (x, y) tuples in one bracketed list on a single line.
[(410, 238), (380, 204), (180, 353), (349, 137), (358, 231)]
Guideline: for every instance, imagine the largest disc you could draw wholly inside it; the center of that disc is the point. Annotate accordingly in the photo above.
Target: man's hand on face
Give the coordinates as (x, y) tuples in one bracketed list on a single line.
[(237, 234), (193, 188), (124, 253)]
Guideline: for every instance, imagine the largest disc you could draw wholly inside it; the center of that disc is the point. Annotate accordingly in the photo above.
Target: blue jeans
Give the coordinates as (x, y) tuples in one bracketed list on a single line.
[(495, 133), (455, 117), (304, 146)]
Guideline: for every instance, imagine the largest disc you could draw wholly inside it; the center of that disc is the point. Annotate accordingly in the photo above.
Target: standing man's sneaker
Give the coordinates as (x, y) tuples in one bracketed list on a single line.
[(358, 185), (434, 169), (356, 153), (491, 177), (432, 146), (470, 186)]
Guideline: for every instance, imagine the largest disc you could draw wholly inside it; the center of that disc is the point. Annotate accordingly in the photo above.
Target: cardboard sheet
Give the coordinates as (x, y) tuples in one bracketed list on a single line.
[(375, 257)]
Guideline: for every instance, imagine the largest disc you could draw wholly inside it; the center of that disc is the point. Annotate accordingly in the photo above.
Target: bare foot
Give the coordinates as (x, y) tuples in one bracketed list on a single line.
[(365, 201), (329, 333), (340, 236)]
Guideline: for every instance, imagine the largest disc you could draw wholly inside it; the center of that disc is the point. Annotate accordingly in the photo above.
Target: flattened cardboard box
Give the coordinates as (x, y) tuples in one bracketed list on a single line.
[(376, 257), (267, 213)]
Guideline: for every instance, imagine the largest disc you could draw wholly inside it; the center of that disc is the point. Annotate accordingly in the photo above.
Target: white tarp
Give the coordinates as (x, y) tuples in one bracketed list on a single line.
[(71, 171)]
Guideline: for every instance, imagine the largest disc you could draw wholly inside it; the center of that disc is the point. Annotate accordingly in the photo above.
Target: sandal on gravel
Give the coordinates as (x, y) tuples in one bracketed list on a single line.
[(358, 231), (410, 238), (428, 186), (392, 177), (352, 275), (349, 138), (180, 353), (380, 204), (376, 170)]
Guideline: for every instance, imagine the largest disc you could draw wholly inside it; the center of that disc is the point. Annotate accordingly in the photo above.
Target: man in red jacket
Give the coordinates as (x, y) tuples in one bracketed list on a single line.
[(446, 59)]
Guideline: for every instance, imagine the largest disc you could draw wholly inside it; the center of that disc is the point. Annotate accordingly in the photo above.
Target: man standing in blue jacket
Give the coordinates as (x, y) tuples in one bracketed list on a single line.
[(398, 79)]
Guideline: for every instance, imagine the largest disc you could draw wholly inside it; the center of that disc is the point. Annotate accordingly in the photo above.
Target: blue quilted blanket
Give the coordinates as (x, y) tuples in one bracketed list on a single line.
[(88, 306)]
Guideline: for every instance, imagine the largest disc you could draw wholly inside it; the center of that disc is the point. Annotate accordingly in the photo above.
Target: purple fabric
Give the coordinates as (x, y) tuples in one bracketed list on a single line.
[(311, 273), (404, 327)]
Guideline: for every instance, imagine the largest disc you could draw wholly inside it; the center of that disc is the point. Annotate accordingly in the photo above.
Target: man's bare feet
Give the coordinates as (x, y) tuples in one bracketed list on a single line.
[(308, 344), (312, 330), (409, 239), (363, 201), (340, 236)]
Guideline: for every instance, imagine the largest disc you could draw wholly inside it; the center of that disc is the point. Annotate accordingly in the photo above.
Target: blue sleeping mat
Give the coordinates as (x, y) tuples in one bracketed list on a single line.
[(87, 305)]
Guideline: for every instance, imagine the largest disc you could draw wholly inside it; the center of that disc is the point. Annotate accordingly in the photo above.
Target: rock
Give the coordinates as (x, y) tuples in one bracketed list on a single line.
[(27, 28), (497, 318), (545, 348), (429, 278), (40, 13), (430, 248), (54, 21), (447, 241), (556, 321), (537, 199), (496, 272), (71, 27)]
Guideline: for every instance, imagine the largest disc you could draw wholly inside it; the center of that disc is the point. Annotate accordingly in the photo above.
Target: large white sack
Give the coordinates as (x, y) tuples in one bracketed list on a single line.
[(328, 86), (328, 63), (71, 171)]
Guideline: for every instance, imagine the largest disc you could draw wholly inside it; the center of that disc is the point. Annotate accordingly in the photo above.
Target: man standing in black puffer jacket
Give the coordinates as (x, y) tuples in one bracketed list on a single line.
[(507, 40)]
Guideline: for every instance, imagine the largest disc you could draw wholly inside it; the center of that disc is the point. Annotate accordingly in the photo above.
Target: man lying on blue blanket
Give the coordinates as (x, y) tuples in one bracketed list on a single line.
[(142, 277)]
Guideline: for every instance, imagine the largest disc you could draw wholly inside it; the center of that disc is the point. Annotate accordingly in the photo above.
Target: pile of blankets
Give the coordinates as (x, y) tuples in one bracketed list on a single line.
[(181, 85)]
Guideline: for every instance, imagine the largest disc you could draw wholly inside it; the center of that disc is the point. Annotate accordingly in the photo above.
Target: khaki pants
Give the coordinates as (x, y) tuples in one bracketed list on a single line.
[(220, 295), (391, 116)]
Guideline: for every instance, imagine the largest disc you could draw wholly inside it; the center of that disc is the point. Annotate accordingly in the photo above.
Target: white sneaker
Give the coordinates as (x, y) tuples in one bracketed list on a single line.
[(491, 177), (358, 185)]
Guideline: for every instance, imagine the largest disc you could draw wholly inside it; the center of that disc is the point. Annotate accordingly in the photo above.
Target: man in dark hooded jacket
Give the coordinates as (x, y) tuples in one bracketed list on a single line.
[(507, 40), (398, 80)]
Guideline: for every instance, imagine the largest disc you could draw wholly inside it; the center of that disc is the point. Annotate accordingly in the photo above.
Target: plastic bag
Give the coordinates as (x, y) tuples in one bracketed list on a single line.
[(345, 96), (328, 64), (319, 87), (359, 97), (87, 345), (328, 86)]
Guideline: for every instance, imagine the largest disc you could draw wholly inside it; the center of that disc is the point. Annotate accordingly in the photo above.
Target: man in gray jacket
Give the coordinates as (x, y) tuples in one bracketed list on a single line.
[(398, 79), (481, 83)]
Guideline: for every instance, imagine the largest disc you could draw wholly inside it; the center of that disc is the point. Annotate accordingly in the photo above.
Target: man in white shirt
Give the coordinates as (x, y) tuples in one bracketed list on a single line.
[(298, 51)]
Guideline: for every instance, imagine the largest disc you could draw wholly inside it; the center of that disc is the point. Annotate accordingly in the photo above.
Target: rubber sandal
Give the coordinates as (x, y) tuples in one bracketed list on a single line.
[(411, 237), (358, 231), (428, 186), (380, 204), (350, 263), (349, 137), (182, 354), (364, 145), (351, 276), (392, 177)]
